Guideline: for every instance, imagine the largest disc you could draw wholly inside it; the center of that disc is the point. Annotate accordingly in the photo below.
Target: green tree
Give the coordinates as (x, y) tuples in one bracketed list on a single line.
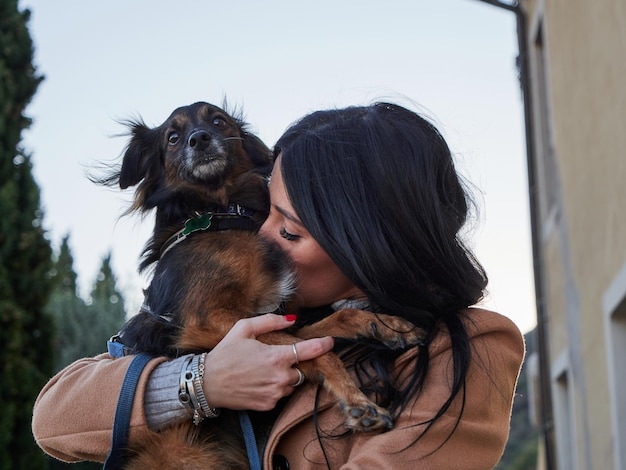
[(65, 278), (25, 254), (67, 309), (83, 329), (106, 311)]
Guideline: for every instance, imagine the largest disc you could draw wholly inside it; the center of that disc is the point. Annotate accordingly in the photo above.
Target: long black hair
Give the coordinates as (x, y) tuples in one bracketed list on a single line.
[(377, 188)]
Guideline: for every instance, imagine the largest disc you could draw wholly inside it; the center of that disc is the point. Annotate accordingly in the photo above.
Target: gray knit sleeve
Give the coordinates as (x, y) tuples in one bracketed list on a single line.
[(161, 404)]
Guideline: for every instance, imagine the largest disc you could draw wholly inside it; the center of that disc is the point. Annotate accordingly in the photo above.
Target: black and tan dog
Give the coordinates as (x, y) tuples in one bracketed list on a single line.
[(206, 176)]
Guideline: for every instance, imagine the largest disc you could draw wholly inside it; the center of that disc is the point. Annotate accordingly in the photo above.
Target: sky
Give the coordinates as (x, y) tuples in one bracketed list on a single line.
[(276, 60)]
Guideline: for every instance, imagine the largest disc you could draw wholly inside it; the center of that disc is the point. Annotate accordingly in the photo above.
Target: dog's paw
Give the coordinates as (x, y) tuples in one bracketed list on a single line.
[(395, 332), (366, 416)]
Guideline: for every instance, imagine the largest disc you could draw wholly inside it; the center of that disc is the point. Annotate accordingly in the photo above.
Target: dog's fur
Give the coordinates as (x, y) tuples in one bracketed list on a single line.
[(201, 159)]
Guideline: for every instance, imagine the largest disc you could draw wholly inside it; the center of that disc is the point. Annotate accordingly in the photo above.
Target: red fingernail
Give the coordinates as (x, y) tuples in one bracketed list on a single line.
[(290, 317)]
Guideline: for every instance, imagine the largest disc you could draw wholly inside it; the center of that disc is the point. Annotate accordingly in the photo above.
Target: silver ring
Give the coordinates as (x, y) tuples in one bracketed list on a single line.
[(300, 378), (295, 353)]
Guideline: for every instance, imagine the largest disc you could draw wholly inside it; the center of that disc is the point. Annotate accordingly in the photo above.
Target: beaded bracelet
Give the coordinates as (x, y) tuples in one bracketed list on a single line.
[(190, 392)]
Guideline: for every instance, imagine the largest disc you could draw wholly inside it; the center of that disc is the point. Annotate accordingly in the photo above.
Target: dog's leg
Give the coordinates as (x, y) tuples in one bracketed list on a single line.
[(394, 332), (361, 414)]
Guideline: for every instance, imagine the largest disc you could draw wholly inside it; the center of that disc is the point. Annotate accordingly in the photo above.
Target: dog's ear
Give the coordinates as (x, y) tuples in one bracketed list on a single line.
[(141, 158), (261, 156)]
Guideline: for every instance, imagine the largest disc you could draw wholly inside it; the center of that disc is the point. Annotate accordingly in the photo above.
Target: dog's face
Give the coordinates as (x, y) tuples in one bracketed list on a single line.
[(198, 148), (201, 143)]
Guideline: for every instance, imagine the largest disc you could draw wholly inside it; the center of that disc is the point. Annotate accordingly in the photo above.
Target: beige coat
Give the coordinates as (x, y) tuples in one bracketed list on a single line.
[(73, 415)]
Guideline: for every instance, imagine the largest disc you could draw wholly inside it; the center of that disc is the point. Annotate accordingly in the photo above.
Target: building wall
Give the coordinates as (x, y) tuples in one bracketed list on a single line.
[(580, 148)]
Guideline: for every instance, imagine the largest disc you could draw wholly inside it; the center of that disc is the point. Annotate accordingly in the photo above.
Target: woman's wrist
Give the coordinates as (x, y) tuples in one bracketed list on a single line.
[(162, 406), (191, 392), (174, 392)]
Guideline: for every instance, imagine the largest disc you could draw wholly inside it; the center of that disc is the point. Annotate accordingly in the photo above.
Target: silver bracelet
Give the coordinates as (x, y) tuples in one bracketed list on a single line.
[(183, 391), (190, 392), (197, 366)]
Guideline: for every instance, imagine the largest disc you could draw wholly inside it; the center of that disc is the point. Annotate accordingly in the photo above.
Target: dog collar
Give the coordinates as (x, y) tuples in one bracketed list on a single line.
[(231, 217)]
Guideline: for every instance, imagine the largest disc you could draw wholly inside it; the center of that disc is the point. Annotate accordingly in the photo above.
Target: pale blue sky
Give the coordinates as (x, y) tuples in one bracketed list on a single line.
[(454, 60)]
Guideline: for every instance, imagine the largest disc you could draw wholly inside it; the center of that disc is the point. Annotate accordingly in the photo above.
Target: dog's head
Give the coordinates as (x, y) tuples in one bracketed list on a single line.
[(199, 152)]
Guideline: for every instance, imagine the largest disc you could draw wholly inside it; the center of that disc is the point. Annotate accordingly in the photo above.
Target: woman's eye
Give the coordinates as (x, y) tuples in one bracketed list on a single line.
[(288, 236), (173, 138)]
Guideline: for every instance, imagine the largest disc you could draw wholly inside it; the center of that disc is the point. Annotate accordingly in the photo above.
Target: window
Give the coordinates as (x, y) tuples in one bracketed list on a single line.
[(614, 306), (546, 162), (563, 415)]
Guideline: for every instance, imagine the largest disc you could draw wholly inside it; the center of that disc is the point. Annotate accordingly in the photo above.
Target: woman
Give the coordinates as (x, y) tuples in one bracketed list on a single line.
[(368, 205)]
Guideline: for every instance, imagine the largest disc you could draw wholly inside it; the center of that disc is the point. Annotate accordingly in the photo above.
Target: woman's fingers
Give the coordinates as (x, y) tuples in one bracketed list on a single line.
[(300, 380), (305, 350), (243, 373), (255, 326), (309, 349)]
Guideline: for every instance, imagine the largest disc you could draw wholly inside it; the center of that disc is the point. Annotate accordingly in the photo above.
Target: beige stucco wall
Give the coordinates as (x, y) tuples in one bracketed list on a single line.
[(585, 43)]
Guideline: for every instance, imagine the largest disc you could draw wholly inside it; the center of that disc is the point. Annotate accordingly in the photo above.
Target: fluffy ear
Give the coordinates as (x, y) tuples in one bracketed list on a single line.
[(261, 156), (141, 158)]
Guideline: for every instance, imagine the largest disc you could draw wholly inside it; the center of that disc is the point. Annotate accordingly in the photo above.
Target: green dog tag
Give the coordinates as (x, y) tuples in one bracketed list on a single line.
[(199, 223)]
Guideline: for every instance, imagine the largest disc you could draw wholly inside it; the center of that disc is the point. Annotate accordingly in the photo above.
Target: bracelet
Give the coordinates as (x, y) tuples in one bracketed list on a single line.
[(183, 392), (190, 392), (197, 366)]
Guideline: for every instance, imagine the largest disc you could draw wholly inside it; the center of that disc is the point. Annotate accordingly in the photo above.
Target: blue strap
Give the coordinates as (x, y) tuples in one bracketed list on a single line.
[(115, 348), (249, 439), (116, 457)]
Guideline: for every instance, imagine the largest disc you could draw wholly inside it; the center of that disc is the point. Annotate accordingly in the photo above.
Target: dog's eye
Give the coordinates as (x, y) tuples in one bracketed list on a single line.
[(173, 138), (219, 122)]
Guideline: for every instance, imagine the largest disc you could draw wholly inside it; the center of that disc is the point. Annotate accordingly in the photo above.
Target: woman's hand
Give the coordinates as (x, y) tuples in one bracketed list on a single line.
[(243, 373)]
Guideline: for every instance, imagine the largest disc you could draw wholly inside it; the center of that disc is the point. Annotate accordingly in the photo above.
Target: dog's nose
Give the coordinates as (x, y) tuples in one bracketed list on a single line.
[(199, 140)]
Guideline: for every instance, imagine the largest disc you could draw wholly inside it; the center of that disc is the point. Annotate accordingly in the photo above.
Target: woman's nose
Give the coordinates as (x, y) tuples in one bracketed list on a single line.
[(265, 229)]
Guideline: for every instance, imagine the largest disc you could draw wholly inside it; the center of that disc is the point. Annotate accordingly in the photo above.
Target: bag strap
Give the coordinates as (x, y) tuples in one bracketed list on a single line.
[(250, 440), (117, 455), (115, 459)]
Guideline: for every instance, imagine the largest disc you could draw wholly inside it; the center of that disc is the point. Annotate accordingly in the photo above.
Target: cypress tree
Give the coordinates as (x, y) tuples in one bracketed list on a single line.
[(25, 254), (64, 277), (67, 309), (107, 305), (83, 328)]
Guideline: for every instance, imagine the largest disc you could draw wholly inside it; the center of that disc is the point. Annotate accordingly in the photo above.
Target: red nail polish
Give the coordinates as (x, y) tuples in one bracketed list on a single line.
[(290, 317)]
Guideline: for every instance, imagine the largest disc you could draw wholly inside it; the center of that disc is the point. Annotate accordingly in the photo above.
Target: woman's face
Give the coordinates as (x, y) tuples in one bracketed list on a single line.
[(319, 280)]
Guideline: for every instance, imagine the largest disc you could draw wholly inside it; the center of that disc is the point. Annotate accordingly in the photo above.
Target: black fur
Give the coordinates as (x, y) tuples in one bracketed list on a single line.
[(165, 179)]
